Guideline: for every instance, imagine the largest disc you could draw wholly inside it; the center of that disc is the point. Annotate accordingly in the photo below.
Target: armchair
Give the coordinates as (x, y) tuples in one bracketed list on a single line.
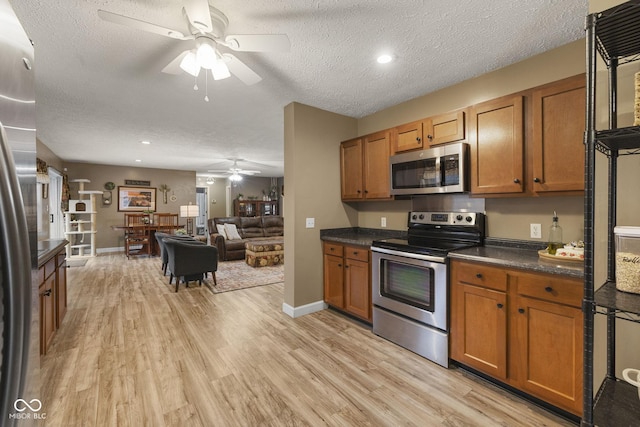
[(190, 261), (163, 252)]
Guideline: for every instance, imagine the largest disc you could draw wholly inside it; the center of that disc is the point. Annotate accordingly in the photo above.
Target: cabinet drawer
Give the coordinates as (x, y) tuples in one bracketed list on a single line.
[(49, 268), (481, 275), (333, 249), (357, 253), (553, 289), (61, 258)]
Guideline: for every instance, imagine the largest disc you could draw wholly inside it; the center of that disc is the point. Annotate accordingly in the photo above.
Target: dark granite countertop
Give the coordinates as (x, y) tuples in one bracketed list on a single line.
[(508, 253), (518, 254), (48, 248), (359, 236)]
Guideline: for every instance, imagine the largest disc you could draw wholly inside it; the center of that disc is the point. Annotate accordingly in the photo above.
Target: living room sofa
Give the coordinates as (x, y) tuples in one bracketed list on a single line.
[(250, 229)]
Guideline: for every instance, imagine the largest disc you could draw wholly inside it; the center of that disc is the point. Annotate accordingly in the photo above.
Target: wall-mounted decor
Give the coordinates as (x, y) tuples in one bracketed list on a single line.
[(136, 182), (136, 199), (106, 198), (164, 188)]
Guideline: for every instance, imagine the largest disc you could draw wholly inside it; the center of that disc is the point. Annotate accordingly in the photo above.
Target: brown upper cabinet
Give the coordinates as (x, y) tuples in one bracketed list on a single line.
[(558, 130), (496, 134), (421, 134), (364, 167), (541, 152)]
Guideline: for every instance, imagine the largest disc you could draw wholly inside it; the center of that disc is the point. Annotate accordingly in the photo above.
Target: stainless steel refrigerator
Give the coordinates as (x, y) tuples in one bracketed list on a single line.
[(19, 356)]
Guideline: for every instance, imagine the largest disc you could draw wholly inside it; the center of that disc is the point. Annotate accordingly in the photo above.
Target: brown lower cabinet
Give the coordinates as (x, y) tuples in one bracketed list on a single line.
[(523, 329), (347, 279), (52, 276)]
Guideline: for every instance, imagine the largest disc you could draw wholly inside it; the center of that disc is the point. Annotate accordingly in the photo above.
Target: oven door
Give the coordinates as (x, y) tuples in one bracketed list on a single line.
[(411, 285)]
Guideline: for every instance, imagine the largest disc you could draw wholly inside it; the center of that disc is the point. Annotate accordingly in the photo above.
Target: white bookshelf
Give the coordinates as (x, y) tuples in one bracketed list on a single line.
[(81, 230)]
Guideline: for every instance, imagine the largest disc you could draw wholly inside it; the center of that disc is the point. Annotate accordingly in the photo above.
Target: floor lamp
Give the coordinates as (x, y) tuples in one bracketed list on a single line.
[(189, 212)]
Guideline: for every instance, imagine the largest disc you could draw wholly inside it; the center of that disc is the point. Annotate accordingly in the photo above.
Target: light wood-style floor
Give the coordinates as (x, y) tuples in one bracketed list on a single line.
[(131, 352)]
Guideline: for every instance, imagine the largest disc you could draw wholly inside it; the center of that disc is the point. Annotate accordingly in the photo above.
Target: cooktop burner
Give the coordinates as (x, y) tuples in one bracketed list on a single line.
[(437, 233)]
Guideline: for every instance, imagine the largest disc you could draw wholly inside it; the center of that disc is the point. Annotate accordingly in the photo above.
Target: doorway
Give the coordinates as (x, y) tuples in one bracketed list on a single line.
[(202, 200), (56, 216)]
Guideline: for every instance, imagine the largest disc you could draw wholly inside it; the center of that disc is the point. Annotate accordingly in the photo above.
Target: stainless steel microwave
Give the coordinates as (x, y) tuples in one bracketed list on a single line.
[(443, 169)]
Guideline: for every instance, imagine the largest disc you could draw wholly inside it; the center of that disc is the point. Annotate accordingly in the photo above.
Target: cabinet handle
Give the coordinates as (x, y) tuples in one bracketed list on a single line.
[(516, 180), (536, 179), (339, 265), (479, 275), (331, 249), (430, 137), (521, 310), (366, 191), (500, 305), (548, 289), (355, 252), (418, 139), (359, 191), (46, 293), (346, 266)]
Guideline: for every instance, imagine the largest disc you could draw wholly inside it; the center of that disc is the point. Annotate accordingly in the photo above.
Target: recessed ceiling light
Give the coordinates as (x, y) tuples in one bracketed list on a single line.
[(384, 59), (138, 161), (145, 142)]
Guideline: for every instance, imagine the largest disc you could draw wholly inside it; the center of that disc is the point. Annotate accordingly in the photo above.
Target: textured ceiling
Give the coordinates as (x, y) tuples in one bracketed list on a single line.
[(99, 88)]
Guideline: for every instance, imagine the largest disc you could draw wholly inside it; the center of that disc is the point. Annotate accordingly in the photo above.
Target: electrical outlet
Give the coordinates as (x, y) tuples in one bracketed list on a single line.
[(383, 221), (536, 231), (311, 222)]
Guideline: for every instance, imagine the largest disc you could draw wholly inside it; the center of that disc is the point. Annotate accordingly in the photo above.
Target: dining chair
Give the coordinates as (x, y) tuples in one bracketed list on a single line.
[(137, 239), (165, 222)]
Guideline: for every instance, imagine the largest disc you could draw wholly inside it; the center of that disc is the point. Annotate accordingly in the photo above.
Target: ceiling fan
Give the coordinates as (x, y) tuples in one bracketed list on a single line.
[(234, 172), (207, 28)]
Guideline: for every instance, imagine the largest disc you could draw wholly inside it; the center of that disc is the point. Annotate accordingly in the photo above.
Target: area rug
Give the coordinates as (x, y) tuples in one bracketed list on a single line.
[(234, 275)]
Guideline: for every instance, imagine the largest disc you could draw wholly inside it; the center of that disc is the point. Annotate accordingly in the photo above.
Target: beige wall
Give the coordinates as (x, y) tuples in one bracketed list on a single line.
[(312, 190), (182, 184)]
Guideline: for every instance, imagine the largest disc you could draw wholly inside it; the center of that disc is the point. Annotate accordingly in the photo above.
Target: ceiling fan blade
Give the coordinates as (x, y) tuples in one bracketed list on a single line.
[(141, 25), (241, 70), (258, 42), (198, 13), (173, 67)]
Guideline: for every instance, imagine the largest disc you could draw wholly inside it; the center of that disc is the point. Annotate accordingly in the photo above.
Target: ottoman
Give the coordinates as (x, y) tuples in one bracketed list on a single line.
[(264, 253)]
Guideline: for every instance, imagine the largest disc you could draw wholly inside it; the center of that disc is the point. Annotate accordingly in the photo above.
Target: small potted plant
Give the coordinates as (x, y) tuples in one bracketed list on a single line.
[(240, 196)]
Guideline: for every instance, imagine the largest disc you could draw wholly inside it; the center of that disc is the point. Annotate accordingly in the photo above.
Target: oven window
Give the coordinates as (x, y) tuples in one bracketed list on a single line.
[(407, 283)]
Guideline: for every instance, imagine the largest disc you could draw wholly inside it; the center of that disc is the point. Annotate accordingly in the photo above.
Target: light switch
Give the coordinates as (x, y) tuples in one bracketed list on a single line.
[(311, 222)]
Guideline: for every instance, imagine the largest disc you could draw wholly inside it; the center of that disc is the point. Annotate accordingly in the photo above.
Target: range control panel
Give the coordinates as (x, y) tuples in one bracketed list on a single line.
[(445, 218)]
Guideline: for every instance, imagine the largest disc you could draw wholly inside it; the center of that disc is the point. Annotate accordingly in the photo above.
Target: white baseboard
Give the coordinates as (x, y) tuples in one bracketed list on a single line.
[(109, 250), (303, 309)]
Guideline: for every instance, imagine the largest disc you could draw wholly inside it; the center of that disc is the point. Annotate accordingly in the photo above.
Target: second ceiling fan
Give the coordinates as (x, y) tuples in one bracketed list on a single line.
[(207, 27)]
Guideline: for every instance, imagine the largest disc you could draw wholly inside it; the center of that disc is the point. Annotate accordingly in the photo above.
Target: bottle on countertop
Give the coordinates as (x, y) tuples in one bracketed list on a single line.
[(555, 236)]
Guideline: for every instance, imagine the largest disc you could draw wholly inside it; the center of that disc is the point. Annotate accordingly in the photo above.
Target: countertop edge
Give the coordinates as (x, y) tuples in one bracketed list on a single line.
[(47, 249)]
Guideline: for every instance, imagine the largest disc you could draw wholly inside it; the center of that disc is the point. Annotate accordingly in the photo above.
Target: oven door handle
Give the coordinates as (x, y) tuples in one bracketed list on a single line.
[(410, 255)]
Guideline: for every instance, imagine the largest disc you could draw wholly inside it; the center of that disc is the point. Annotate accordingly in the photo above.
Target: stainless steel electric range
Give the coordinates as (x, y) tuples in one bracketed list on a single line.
[(410, 280)]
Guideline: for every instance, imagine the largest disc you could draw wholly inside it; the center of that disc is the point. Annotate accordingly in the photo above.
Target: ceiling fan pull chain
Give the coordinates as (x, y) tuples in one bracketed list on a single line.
[(206, 86), (195, 82)]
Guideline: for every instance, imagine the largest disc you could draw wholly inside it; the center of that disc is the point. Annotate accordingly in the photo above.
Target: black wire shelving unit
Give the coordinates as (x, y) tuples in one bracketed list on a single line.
[(614, 35)]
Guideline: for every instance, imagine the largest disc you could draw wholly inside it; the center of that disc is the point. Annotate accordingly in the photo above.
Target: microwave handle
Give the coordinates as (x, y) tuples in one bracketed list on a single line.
[(439, 172)]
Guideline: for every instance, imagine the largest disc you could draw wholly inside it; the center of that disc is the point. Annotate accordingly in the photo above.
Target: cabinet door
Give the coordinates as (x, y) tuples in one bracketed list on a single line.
[(351, 175), (497, 149), (408, 137), (47, 313), (558, 130), (358, 289), (549, 352), (445, 128), (479, 329), (377, 149), (334, 281), (61, 289)]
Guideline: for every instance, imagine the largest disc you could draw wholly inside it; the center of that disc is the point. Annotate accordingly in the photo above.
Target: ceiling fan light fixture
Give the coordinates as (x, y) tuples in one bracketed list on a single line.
[(220, 70), (189, 64), (235, 177), (206, 53)]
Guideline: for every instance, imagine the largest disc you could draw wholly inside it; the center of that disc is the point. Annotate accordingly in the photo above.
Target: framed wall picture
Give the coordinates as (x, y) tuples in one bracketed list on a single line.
[(136, 199)]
